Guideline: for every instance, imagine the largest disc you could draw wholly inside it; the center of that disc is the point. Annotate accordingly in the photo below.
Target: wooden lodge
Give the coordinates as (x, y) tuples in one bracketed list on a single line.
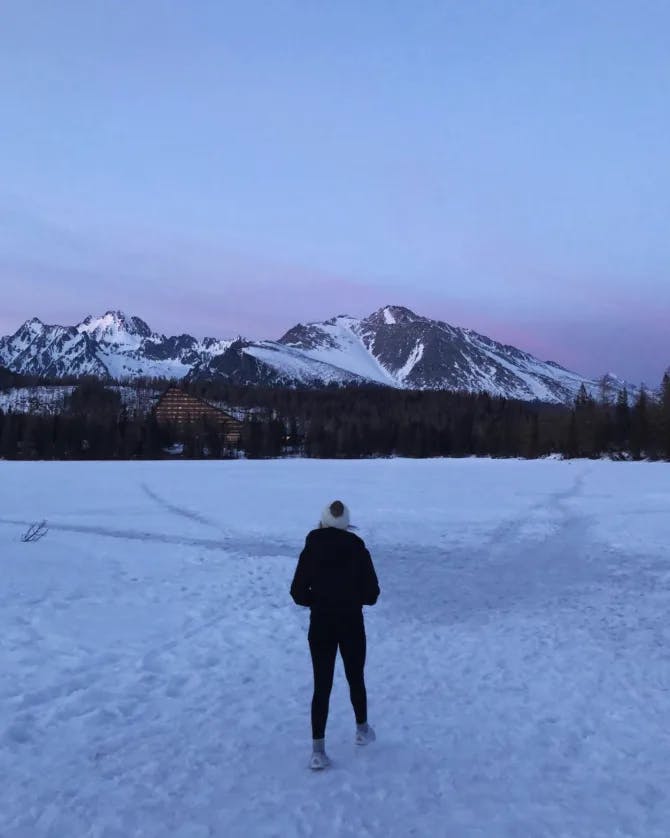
[(177, 407)]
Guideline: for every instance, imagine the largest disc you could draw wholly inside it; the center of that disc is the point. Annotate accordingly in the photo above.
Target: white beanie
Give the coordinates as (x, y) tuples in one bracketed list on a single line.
[(335, 515)]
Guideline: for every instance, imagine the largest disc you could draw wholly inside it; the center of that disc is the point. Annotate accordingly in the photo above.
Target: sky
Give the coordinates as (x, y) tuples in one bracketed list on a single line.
[(225, 168)]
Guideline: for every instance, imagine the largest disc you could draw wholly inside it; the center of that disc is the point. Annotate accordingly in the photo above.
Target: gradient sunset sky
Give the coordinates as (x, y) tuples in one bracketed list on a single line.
[(223, 168)]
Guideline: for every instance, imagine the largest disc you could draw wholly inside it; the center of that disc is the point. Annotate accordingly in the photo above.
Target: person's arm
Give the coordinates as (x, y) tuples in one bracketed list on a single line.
[(300, 587), (370, 583)]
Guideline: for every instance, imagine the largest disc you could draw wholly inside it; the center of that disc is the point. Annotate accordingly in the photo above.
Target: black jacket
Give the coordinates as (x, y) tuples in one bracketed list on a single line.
[(335, 572)]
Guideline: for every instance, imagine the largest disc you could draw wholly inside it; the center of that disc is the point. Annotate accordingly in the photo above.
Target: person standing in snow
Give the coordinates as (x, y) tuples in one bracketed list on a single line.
[(335, 578)]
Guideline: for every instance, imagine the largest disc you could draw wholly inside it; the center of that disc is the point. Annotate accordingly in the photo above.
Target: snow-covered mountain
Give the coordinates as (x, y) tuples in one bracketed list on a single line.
[(397, 348), (112, 346), (393, 347)]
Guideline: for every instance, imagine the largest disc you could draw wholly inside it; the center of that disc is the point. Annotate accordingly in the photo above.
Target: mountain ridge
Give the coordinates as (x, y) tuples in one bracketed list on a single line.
[(392, 347)]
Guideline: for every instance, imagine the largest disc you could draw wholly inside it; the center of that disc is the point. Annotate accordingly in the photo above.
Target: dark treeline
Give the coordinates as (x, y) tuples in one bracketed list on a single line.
[(93, 425), (378, 421), (347, 422)]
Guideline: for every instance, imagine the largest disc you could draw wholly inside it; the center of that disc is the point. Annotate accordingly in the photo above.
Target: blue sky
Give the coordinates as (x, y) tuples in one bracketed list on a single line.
[(237, 167)]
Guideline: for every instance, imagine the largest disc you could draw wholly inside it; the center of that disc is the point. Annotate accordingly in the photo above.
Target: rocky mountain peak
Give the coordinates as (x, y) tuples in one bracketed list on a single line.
[(307, 336), (114, 326), (34, 325), (392, 316)]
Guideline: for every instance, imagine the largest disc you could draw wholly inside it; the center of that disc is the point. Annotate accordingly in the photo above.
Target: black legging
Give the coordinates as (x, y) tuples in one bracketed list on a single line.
[(327, 632)]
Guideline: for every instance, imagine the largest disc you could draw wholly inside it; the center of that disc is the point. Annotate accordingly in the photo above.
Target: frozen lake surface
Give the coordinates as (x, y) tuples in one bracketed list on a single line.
[(155, 678)]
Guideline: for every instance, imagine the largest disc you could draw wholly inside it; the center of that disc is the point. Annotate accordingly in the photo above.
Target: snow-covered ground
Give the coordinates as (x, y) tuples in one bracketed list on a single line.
[(155, 678)]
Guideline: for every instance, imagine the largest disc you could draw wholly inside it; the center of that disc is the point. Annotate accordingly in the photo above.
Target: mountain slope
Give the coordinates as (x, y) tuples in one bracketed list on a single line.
[(51, 351), (270, 364), (396, 347), (393, 347)]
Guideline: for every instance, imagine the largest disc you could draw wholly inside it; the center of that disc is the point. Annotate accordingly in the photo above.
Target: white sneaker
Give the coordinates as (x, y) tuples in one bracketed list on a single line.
[(318, 761), (364, 737)]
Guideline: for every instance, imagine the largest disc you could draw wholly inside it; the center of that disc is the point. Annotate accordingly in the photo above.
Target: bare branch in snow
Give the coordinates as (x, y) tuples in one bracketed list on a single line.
[(35, 532)]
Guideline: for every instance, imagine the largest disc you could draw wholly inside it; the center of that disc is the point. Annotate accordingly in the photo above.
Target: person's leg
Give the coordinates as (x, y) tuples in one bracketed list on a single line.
[(352, 648), (323, 647)]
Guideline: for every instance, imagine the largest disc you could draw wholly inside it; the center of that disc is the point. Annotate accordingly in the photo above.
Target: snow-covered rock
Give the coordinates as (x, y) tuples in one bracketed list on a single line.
[(113, 345)]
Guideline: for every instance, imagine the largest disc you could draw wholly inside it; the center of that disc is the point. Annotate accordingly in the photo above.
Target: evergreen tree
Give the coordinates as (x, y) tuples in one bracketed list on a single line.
[(585, 419), (153, 439), (572, 447), (273, 438), (252, 438), (293, 442), (622, 421), (9, 442), (639, 429), (665, 417)]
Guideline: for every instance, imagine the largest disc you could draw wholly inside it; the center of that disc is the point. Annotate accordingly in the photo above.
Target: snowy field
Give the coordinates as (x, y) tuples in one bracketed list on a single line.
[(155, 679)]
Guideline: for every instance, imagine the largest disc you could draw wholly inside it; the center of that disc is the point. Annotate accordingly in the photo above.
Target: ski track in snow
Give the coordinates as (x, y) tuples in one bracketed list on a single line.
[(158, 682), (179, 510)]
